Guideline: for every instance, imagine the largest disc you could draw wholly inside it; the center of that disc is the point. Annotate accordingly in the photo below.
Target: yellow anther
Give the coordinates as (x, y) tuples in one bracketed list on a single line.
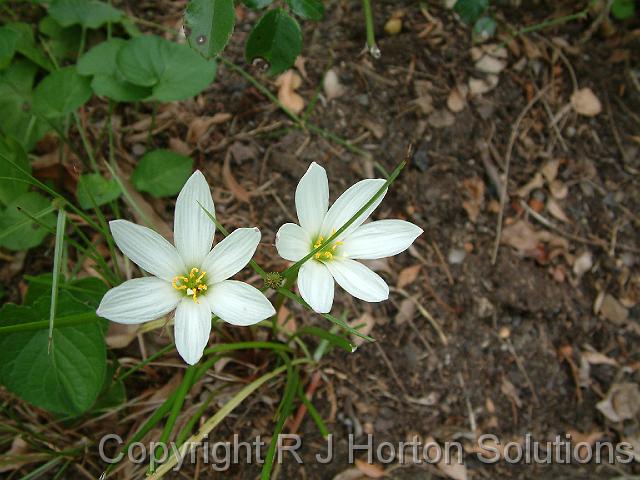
[(199, 279), (191, 285)]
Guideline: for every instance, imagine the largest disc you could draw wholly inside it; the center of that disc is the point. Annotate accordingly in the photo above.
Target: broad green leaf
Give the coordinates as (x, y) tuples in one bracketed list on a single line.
[(68, 379), (162, 173), (173, 71), (16, 83), (108, 82), (8, 41), (209, 25), (307, 9), (11, 189), (88, 290), (63, 42), (470, 10), (276, 39), (623, 9), (257, 4), (88, 13), (61, 92), (112, 393), (26, 44), (17, 230), (95, 186)]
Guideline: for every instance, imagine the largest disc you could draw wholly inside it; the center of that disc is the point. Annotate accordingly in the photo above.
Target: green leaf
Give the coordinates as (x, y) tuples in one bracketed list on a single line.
[(209, 24), (276, 39), (173, 71), (63, 42), (95, 190), (8, 41), (88, 290), (61, 92), (108, 82), (17, 230), (257, 4), (88, 13), (162, 173), (16, 83), (623, 9), (470, 10), (483, 29), (10, 189), (307, 9), (112, 393), (65, 381), (26, 44)]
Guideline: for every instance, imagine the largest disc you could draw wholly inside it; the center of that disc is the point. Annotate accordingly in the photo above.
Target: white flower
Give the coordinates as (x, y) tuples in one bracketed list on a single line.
[(190, 278), (337, 261)]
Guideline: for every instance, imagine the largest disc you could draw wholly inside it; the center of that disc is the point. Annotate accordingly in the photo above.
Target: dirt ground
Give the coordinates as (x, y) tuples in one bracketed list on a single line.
[(465, 347)]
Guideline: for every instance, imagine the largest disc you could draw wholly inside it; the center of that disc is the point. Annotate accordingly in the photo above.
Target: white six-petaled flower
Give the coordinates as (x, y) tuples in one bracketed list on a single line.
[(190, 278), (337, 260)]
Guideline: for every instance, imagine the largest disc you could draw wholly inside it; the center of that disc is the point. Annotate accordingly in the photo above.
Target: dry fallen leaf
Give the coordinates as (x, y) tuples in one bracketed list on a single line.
[(478, 86), (584, 102), (621, 403), (369, 469), (408, 275), (199, 126), (474, 189), (406, 311), (521, 236), (350, 474), (611, 309), (550, 170), (288, 83), (332, 86), (232, 184), (536, 182), (393, 26), (558, 189), (490, 64), (120, 335), (556, 211), (582, 263), (456, 101), (441, 119)]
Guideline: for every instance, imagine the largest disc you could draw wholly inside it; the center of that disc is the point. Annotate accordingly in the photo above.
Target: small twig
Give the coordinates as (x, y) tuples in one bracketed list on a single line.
[(425, 313), (507, 163), (445, 267), (522, 369)]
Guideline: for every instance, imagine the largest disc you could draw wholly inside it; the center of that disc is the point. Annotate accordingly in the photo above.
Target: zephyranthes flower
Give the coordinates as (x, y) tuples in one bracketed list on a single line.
[(337, 260), (190, 278)]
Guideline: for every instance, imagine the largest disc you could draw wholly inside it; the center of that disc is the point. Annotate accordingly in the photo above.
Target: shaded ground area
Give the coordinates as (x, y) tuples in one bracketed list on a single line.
[(465, 347)]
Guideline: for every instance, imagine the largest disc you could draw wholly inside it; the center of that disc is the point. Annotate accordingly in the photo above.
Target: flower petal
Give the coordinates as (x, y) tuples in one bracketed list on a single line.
[(192, 328), (193, 230), (293, 242), (316, 286), (138, 300), (380, 239), (146, 248), (238, 303), (348, 204), (358, 280), (231, 255), (312, 198)]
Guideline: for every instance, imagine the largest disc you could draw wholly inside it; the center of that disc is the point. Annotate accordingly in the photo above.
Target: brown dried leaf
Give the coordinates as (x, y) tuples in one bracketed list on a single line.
[(474, 188), (406, 311), (369, 469), (556, 211), (332, 86), (364, 324), (536, 182), (120, 335), (288, 83), (521, 236), (456, 101), (232, 184), (408, 275), (199, 126), (621, 403), (585, 102)]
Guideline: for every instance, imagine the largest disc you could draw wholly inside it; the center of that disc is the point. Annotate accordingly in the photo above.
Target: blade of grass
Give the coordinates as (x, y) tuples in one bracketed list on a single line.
[(228, 347), (57, 257), (332, 338), (220, 415), (67, 320), (315, 415), (328, 316)]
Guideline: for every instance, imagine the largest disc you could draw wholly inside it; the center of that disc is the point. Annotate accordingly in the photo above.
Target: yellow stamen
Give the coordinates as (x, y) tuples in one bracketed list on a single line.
[(191, 285)]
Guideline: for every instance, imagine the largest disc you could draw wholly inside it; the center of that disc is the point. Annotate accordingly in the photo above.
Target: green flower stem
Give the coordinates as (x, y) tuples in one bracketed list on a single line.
[(67, 320), (368, 21), (296, 266), (288, 283), (229, 347), (145, 362), (181, 393)]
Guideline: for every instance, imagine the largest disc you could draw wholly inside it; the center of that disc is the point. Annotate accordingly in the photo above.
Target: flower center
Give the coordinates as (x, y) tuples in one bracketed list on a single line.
[(328, 249), (192, 285)]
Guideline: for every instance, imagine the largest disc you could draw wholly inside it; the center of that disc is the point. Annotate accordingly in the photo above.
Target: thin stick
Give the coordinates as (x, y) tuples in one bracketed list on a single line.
[(507, 164)]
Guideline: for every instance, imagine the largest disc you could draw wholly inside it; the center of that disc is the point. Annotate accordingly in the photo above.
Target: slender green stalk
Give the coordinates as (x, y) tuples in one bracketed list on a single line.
[(57, 257), (67, 320), (229, 347), (371, 36), (85, 141), (182, 392), (296, 266), (315, 415)]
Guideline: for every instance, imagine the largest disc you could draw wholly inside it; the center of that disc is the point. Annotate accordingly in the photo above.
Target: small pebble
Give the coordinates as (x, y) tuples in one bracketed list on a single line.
[(456, 256)]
